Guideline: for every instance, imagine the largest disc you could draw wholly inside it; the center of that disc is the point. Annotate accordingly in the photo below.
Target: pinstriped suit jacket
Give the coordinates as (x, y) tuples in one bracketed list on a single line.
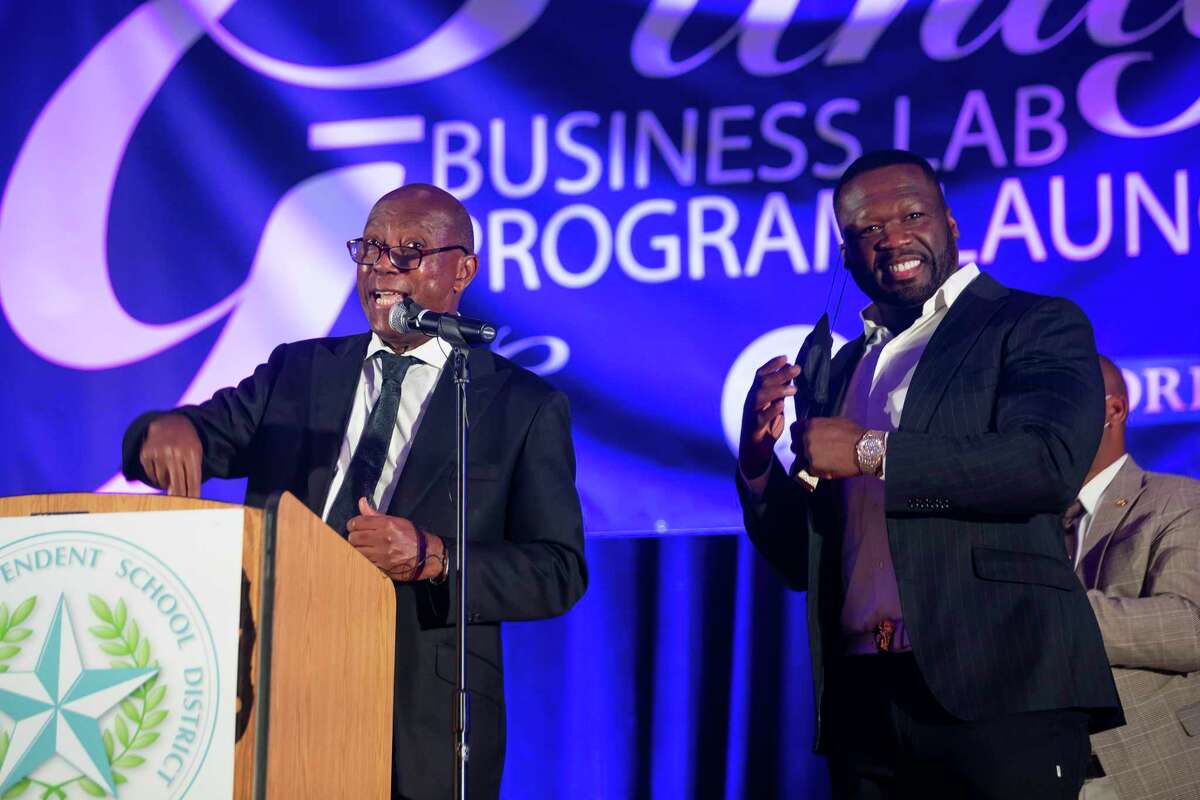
[(1001, 421), (1141, 565)]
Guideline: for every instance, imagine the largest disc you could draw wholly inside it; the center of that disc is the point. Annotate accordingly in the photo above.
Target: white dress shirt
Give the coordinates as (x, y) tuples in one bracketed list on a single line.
[(415, 393), (875, 399), (1089, 498)]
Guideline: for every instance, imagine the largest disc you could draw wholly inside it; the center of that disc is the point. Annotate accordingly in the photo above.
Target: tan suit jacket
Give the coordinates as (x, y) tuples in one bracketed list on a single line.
[(1141, 566)]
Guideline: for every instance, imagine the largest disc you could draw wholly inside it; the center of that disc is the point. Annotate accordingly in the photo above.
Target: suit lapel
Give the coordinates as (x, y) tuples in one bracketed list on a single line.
[(432, 452), (1114, 506), (336, 372), (953, 339)]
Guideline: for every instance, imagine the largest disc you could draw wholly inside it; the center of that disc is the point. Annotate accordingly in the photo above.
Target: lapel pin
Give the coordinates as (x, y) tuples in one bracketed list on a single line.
[(1122, 502)]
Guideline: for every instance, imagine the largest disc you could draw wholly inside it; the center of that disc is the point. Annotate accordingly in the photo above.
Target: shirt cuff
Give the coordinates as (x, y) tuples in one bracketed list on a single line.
[(757, 486), (883, 464)]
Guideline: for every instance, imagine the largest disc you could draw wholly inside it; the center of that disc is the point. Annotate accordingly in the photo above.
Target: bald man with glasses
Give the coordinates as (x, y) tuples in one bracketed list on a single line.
[(361, 429)]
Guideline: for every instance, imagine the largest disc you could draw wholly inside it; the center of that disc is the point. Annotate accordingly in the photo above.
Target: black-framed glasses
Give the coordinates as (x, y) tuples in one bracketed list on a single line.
[(404, 257)]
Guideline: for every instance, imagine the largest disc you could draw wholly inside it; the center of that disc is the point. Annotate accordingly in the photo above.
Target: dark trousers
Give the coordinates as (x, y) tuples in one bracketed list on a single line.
[(889, 738)]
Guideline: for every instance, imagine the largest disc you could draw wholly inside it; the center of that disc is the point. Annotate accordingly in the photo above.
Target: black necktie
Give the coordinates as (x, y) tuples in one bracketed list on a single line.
[(366, 466), (1070, 522)]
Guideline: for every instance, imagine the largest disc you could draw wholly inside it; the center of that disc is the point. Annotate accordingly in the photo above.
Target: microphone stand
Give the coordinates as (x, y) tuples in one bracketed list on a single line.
[(449, 331)]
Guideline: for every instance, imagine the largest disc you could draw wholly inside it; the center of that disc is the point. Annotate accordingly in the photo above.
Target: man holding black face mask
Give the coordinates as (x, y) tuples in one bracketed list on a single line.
[(954, 654)]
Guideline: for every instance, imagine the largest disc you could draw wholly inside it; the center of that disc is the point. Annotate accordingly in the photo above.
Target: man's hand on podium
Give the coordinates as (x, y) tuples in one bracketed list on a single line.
[(394, 544), (172, 454)]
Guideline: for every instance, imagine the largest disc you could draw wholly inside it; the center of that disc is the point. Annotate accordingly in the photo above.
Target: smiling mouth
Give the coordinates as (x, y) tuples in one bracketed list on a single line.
[(385, 298), (902, 270)]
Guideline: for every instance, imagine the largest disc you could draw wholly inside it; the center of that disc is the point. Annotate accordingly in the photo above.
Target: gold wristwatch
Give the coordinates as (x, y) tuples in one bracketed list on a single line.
[(870, 451)]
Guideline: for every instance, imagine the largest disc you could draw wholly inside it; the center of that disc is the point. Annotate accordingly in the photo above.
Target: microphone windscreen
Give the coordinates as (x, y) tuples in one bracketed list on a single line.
[(398, 318)]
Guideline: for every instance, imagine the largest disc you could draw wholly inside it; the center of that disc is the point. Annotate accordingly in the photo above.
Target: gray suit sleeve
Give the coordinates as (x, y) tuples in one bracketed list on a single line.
[(1161, 629)]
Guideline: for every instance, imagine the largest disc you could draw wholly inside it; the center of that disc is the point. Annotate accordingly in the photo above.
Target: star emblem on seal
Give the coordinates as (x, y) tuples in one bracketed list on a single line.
[(57, 707)]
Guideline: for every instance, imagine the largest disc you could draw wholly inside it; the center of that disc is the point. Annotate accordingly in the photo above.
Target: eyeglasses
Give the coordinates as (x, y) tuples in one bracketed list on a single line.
[(403, 257)]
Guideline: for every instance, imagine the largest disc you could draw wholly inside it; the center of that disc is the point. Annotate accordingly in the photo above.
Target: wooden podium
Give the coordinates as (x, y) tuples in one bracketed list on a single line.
[(313, 721)]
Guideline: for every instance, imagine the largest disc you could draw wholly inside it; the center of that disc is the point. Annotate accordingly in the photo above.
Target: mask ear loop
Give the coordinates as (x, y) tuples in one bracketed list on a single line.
[(844, 273), (839, 271), (815, 359)]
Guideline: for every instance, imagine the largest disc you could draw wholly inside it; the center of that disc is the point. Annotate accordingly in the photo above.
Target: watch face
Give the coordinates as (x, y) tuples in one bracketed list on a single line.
[(870, 454)]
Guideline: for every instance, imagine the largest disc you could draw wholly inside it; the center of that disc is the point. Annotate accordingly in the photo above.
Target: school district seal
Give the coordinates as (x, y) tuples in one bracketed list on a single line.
[(108, 671)]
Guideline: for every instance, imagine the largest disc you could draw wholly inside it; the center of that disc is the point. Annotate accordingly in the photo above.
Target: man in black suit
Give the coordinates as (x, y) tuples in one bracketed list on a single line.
[(954, 655), (358, 423)]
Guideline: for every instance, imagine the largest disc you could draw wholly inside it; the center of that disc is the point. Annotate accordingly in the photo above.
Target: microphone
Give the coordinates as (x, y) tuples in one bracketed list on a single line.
[(408, 316)]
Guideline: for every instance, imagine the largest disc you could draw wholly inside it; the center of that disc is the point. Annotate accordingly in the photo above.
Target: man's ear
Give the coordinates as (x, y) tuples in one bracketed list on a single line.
[(1116, 409), (467, 267), (951, 223)]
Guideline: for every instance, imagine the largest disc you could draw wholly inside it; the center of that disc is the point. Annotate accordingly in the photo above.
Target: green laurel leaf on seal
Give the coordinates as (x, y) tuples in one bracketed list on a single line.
[(18, 788), (134, 727), (92, 788), (11, 632)]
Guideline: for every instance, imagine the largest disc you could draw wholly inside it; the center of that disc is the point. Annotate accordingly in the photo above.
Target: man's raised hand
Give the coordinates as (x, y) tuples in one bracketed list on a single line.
[(762, 416), (826, 446)]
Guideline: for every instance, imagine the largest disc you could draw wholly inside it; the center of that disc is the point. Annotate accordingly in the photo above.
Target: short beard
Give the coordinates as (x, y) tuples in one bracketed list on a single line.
[(944, 265)]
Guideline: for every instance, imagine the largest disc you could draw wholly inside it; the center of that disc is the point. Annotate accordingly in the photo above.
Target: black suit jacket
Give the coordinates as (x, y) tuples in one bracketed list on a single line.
[(1000, 423), (282, 428)]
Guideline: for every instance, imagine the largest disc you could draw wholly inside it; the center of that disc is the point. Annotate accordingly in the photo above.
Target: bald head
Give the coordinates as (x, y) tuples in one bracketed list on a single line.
[(441, 210), (1114, 381), (425, 218)]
